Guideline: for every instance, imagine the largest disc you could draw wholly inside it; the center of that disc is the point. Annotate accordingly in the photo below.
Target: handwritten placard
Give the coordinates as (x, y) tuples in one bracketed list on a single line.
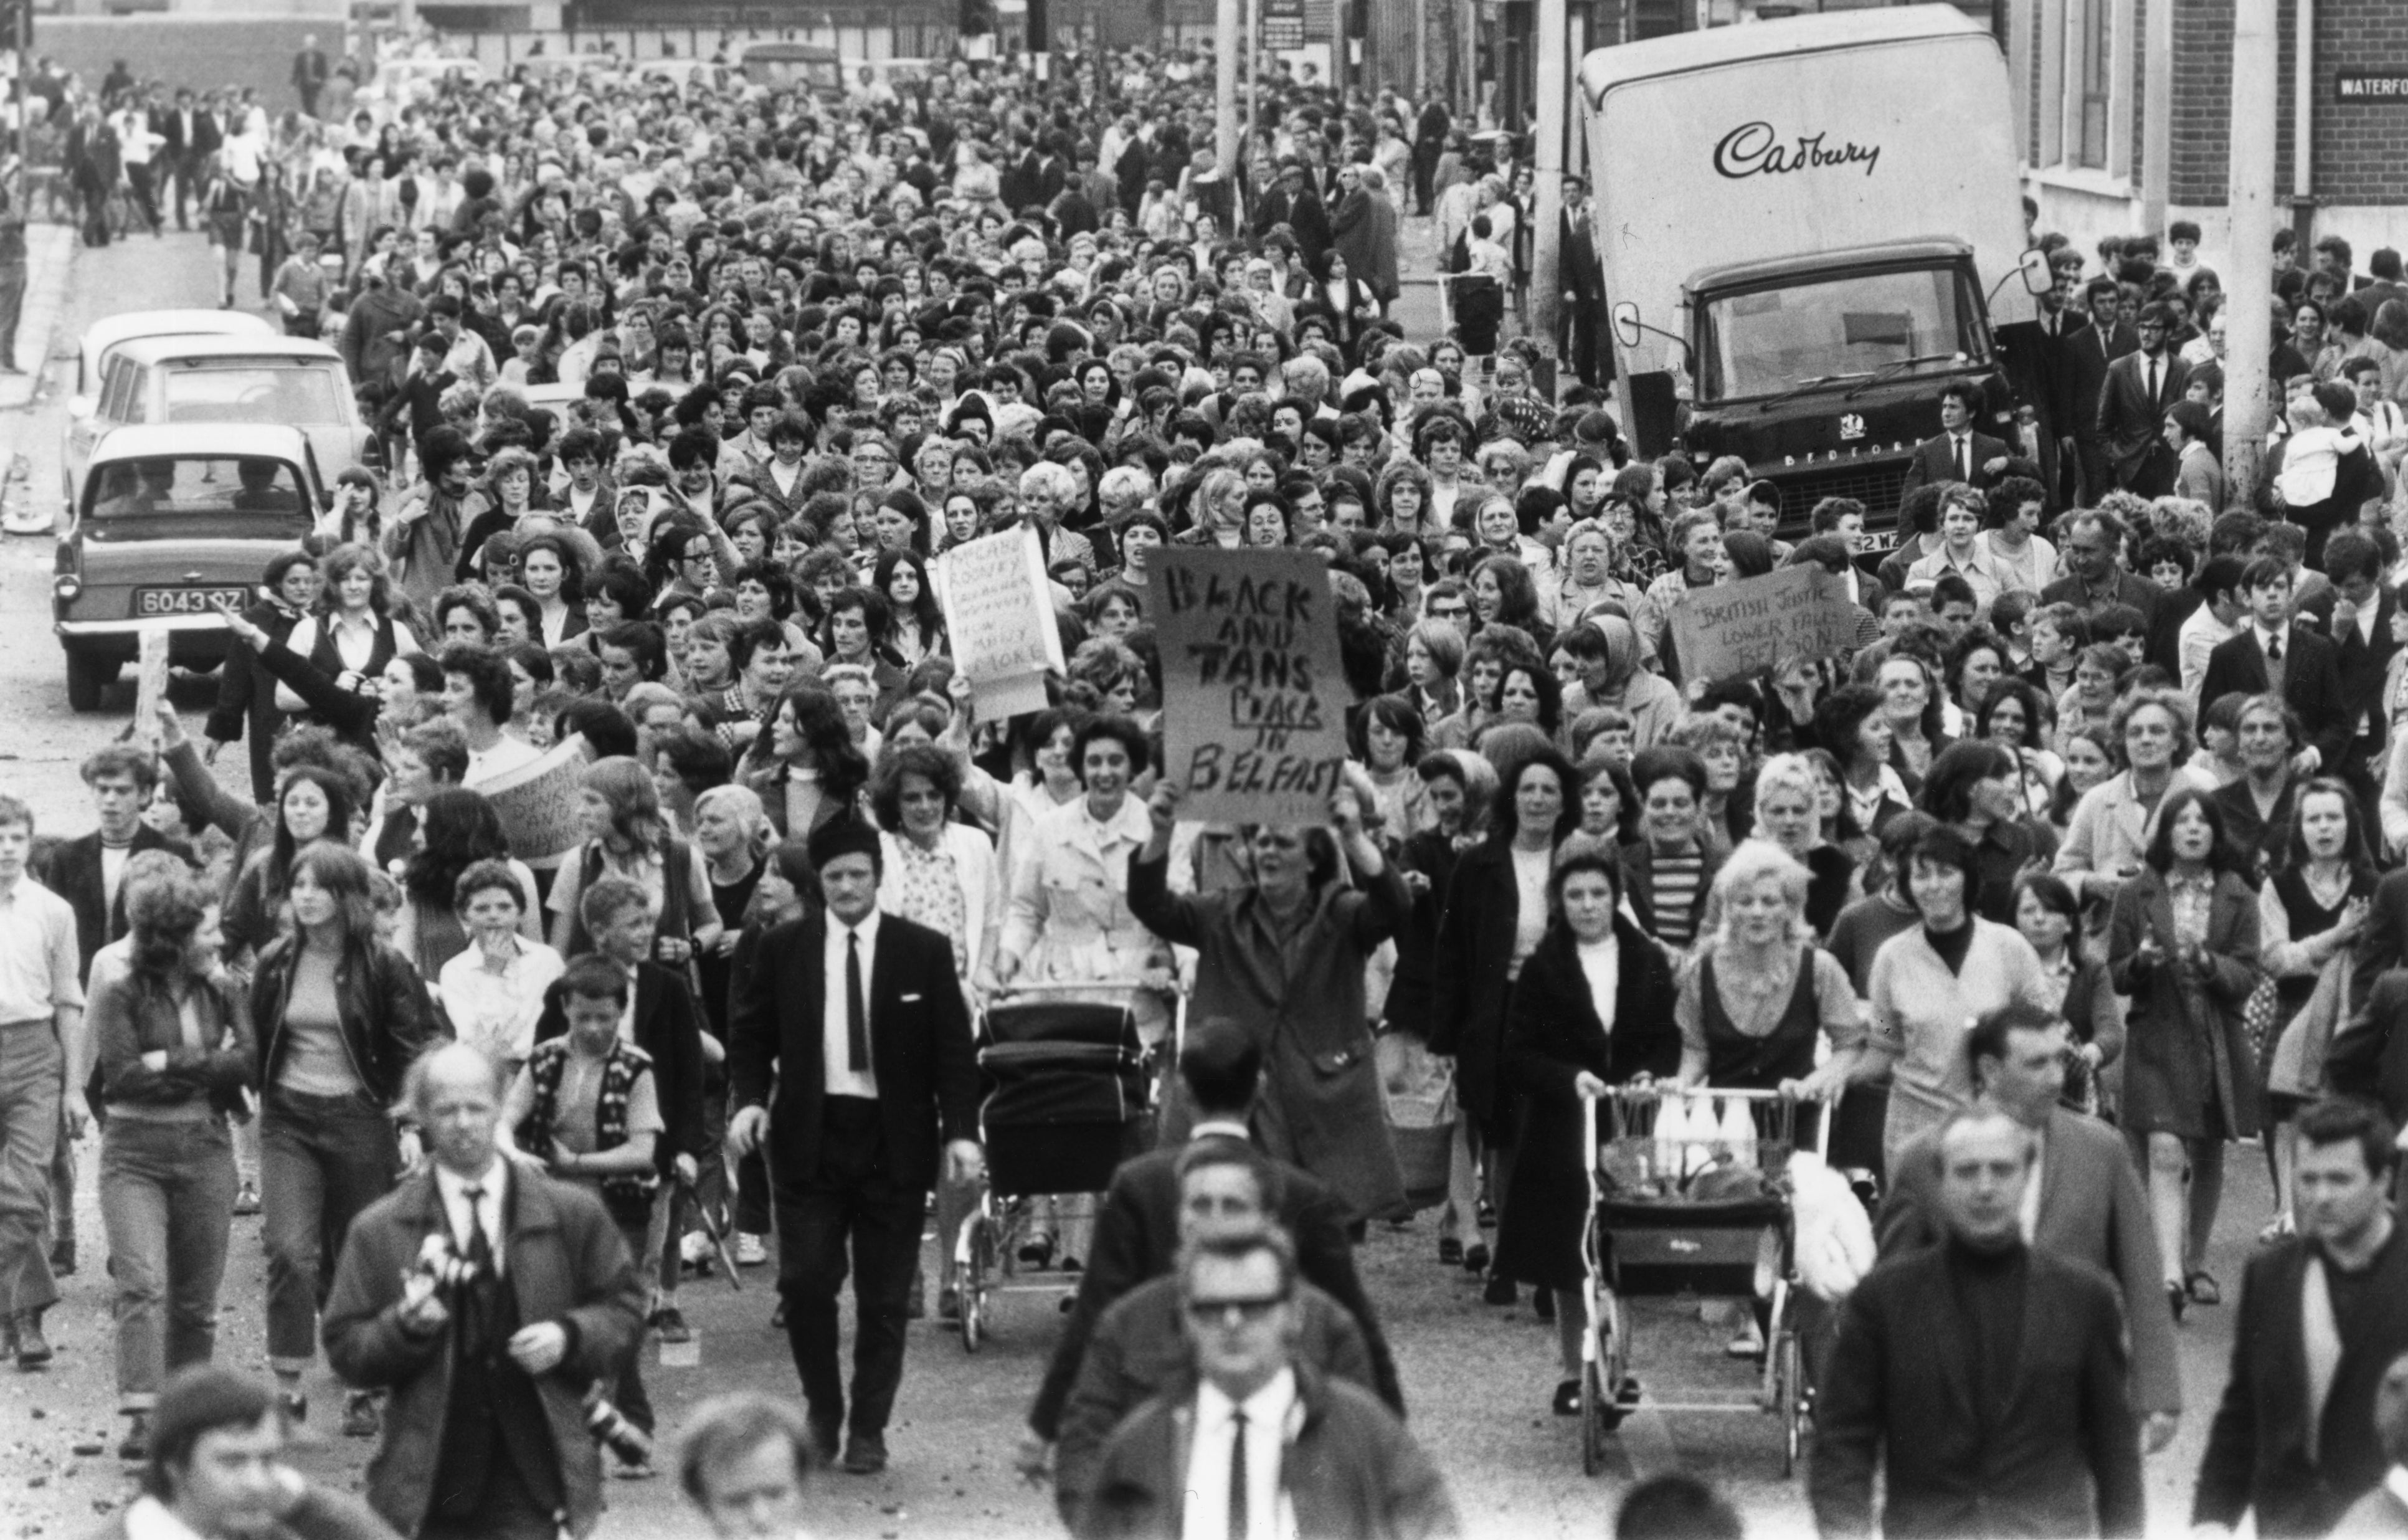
[(1739, 628), (999, 615), (537, 803), (1253, 699)]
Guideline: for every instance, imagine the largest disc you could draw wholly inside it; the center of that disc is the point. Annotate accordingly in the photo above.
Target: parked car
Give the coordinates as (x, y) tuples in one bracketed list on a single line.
[(102, 339), (239, 379), (171, 524)]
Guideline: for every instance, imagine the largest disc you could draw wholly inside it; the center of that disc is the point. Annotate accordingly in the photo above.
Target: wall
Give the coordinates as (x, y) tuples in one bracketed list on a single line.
[(202, 52)]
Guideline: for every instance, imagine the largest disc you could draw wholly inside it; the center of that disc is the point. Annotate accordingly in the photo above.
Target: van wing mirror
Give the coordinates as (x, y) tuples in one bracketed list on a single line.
[(2039, 276), (1626, 323)]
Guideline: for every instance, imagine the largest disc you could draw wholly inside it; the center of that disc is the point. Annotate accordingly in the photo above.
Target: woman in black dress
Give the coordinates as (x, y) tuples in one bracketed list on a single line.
[(1592, 1008)]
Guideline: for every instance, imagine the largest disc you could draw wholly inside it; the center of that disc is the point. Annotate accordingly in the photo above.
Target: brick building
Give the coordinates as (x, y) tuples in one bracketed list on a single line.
[(2101, 82)]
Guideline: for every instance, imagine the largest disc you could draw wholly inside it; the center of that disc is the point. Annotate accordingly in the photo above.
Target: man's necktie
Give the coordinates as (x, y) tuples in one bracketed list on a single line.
[(480, 1248), (856, 1014), (2153, 381), (1239, 1529), (1964, 459), (2275, 649)]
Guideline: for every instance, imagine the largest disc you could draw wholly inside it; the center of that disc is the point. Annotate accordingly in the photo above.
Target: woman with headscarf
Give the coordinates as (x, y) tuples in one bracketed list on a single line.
[(1605, 648)]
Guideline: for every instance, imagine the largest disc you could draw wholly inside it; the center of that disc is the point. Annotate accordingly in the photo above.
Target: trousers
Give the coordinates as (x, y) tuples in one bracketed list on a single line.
[(322, 1159), (851, 1208), (167, 1198), (33, 1079)]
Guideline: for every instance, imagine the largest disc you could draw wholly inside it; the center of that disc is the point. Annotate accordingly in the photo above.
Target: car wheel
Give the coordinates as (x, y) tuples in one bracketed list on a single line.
[(87, 678)]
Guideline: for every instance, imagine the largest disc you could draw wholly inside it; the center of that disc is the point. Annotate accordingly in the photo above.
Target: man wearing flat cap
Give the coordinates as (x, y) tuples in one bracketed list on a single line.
[(858, 1015)]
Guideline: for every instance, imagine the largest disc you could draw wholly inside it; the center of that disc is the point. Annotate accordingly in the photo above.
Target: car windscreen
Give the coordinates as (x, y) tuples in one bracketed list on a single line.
[(1763, 342), (252, 393), (198, 498)]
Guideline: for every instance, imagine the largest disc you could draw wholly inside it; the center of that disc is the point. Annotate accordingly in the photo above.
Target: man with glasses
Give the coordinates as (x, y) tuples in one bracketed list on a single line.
[(1256, 1441), (2132, 406)]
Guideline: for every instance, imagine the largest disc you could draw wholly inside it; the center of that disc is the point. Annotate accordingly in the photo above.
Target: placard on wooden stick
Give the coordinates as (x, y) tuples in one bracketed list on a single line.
[(1254, 696), (1758, 623), (999, 617)]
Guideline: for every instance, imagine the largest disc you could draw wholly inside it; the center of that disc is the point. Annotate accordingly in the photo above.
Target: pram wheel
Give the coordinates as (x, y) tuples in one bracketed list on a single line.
[(1594, 1416), (1790, 1401), (978, 1273)]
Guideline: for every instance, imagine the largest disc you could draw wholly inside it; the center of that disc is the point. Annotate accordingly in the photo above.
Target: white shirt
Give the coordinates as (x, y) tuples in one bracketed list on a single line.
[(113, 873), (842, 1079), (2027, 1211), (454, 1189), (497, 1012), (1601, 964), (2201, 635), (148, 1519), (1269, 1515)]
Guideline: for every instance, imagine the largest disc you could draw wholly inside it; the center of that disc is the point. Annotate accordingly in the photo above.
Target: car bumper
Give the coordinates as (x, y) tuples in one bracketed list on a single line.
[(134, 628)]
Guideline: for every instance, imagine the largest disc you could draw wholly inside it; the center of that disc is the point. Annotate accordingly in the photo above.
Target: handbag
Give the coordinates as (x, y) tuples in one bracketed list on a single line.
[(2262, 1016), (1417, 1091)]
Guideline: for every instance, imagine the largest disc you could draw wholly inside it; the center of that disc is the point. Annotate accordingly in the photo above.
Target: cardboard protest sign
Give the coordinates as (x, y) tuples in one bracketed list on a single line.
[(537, 803), (999, 615), (1254, 699), (1741, 628), (150, 682)]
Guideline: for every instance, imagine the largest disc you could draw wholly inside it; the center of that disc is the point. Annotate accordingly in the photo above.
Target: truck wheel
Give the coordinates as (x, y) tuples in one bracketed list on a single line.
[(87, 678)]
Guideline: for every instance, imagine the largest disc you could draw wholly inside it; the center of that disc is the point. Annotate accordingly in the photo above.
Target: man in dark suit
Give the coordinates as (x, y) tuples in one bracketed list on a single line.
[(663, 1020), (2355, 614), (1253, 1432), (2323, 1315), (1957, 453), (310, 72), (860, 1017), (2090, 1209), (1295, 204), (487, 1298), (2088, 540), (1584, 341), (2271, 656), (1985, 1377), (1139, 1351), (2132, 406), (1137, 1228), (88, 872)]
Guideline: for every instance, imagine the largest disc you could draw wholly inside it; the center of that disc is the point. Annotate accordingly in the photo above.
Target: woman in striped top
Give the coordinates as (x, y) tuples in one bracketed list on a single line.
[(1670, 869)]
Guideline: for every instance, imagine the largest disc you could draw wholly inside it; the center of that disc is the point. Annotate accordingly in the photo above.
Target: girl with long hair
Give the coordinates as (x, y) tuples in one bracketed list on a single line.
[(174, 1054), (805, 767), (338, 1017), (628, 835), (917, 631), (352, 632), (313, 804)]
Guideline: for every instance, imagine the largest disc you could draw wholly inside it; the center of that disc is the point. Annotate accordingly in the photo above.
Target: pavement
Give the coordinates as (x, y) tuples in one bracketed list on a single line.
[(49, 264), (1477, 1379)]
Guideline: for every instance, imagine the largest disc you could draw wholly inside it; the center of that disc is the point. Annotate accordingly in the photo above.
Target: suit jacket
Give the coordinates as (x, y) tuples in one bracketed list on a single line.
[(1142, 1348), (2081, 356), (2128, 418), (208, 134), (2310, 685), (1137, 1238), (2257, 1449), (919, 1046), (2368, 1056), (2092, 1210), (72, 871), (2382, 942), (2064, 1458), (1934, 462), (1349, 1469), (564, 1261), (668, 1028), (2364, 664)]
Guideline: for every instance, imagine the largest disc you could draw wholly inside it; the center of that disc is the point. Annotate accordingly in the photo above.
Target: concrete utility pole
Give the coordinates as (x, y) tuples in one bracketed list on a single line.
[(1547, 184), (1224, 87), (2157, 116), (2249, 280)]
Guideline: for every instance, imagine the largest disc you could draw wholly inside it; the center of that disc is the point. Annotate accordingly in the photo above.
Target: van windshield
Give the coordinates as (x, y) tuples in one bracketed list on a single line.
[(1761, 341)]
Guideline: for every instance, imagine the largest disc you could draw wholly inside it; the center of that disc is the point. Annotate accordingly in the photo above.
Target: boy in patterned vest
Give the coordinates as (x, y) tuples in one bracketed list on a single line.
[(586, 1105)]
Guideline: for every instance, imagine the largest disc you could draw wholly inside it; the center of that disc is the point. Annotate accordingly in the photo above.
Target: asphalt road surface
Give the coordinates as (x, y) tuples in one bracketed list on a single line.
[(1477, 1379)]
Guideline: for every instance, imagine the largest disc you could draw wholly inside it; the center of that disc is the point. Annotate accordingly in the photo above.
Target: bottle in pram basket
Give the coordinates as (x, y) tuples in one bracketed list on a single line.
[(1062, 1093)]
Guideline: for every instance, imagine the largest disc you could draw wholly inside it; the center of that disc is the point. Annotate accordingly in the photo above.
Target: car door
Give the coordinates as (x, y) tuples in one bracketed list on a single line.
[(84, 430)]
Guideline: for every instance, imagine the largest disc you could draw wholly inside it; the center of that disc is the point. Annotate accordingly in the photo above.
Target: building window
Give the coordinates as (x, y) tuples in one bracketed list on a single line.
[(2094, 35)]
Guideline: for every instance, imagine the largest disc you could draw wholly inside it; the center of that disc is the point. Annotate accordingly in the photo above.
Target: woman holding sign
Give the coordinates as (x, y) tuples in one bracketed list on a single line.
[(1284, 955)]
